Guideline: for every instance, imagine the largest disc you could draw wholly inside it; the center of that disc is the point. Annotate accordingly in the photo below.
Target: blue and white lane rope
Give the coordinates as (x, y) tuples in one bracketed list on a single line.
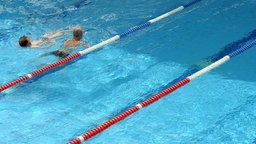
[(136, 28), (247, 46), (222, 60)]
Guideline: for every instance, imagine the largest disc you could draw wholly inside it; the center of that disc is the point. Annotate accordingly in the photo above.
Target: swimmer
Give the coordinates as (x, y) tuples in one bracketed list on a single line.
[(69, 45), (47, 39)]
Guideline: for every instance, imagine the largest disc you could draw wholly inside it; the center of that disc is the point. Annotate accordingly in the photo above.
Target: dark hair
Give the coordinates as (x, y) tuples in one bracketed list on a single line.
[(23, 41)]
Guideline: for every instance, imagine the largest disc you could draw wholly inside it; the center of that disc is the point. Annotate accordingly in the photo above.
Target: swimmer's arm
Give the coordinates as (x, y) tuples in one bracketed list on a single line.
[(60, 32), (34, 46), (54, 34), (50, 44), (84, 44)]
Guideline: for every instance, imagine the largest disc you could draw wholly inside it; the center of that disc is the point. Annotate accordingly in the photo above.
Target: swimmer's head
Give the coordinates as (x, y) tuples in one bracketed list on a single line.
[(24, 41), (77, 33)]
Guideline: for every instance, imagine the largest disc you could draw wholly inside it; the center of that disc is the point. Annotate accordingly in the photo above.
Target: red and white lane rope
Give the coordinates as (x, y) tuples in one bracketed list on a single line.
[(39, 71), (130, 111), (97, 46), (161, 94)]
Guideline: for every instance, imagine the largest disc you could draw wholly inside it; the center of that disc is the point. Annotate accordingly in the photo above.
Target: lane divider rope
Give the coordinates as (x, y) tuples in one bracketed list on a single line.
[(97, 46), (156, 97)]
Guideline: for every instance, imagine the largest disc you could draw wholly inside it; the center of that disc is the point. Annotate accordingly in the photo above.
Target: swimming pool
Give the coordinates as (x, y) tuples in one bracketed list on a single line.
[(64, 103)]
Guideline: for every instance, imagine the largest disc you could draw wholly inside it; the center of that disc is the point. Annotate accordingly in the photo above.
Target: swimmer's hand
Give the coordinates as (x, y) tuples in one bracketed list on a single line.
[(85, 45)]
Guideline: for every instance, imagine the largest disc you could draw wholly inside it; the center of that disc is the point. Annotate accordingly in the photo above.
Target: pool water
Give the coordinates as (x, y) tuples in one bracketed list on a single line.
[(57, 106)]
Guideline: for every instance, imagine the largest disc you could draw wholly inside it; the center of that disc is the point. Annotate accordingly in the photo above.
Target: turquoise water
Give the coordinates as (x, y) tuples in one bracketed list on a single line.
[(218, 107)]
